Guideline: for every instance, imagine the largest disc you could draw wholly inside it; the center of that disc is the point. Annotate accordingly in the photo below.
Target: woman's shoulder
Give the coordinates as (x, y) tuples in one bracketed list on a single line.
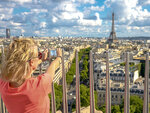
[(2, 84), (35, 80)]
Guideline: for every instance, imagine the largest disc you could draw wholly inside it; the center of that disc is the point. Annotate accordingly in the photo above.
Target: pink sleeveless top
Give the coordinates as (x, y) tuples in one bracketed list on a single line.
[(30, 97)]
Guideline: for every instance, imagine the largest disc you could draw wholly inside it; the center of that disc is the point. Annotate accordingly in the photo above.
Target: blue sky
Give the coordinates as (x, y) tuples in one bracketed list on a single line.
[(86, 18)]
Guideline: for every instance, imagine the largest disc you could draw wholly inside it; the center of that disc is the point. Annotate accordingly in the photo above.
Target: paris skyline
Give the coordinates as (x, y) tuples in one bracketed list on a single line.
[(86, 18)]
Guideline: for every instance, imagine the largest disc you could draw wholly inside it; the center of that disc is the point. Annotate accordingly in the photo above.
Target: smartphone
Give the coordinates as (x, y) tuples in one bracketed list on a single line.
[(53, 53)]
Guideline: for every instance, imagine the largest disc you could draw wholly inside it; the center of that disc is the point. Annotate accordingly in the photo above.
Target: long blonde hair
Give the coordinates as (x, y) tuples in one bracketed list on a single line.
[(15, 65)]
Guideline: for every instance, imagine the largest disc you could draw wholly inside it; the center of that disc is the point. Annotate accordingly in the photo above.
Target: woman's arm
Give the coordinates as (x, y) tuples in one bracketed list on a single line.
[(48, 77), (54, 64)]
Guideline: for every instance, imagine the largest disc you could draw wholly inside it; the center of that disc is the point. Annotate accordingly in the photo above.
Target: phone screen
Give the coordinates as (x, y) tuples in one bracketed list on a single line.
[(53, 53)]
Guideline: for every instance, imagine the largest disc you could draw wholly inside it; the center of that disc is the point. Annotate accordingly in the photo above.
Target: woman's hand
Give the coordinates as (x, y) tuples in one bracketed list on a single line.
[(44, 55), (59, 52)]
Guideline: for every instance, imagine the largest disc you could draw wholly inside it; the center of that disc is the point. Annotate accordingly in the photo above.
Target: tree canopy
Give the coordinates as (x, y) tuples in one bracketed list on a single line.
[(136, 106)]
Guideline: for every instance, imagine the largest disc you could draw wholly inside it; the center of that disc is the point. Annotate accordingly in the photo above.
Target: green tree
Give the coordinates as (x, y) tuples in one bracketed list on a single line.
[(131, 64), (70, 74), (132, 109), (139, 67), (84, 75), (72, 71), (96, 98), (115, 109), (142, 69), (136, 104), (69, 78), (74, 106), (102, 108), (58, 96), (122, 64), (84, 95)]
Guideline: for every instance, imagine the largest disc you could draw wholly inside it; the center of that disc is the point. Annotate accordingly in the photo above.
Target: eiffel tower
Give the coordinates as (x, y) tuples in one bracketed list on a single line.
[(112, 37)]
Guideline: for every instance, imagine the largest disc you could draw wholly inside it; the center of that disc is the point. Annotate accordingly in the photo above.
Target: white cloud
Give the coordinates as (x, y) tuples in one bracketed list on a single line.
[(22, 31), (128, 27), (56, 30), (3, 32), (98, 30), (87, 1), (43, 24), (89, 10), (144, 2), (15, 24), (2, 16), (97, 8), (73, 15), (47, 17), (128, 11), (22, 1), (8, 10), (6, 13), (136, 28), (87, 22), (39, 10), (54, 19), (37, 32), (66, 6)]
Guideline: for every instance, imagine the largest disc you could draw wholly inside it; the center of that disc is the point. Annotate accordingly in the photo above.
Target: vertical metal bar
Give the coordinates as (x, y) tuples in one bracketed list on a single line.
[(3, 58), (40, 66), (92, 104), (3, 54), (5, 110), (77, 85), (127, 90), (40, 69), (53, 90), (53, 99), (146, 88), (65, 103), (108, 93), (1, 106)]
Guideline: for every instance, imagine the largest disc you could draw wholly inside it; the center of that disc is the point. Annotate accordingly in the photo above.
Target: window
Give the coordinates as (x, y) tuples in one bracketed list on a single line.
[(116, 96), (103, 95), (112, 96), (121, 96)]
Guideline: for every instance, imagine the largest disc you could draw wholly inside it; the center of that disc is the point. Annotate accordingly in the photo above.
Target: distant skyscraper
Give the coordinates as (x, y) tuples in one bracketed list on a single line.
[(7, 33)]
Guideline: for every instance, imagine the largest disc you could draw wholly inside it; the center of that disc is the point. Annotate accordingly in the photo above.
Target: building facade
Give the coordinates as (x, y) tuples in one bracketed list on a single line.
[(8, 33)]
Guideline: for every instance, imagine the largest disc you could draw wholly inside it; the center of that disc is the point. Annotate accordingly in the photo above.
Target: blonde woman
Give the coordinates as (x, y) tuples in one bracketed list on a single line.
[(21, 92)]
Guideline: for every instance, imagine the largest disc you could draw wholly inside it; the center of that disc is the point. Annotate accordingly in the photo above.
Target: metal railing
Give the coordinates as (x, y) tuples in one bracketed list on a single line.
[(108, 89), (2, 107)]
